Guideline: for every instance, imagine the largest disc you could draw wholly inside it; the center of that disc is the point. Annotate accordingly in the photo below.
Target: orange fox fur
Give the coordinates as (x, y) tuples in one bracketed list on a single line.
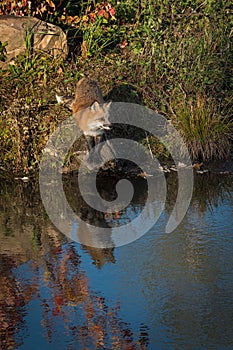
[(89, 110), (86, 93)]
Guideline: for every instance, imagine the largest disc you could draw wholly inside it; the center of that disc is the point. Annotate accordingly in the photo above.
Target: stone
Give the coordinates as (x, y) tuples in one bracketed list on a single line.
[(44, 37)]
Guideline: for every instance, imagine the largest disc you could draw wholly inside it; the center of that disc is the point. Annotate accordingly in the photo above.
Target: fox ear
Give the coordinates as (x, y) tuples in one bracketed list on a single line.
[(65, 100), (59, 99), (95, 106), (108, 104)]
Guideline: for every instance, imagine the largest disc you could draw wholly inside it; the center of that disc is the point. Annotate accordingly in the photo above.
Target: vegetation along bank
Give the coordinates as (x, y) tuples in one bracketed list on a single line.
[(174, 57)]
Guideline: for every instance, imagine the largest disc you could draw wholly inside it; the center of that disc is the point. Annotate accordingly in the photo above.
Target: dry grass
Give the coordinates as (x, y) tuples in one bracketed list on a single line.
[(206, 131)]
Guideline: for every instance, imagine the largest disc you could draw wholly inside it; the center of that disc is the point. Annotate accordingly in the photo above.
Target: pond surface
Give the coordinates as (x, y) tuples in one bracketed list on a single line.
[(163, 291)]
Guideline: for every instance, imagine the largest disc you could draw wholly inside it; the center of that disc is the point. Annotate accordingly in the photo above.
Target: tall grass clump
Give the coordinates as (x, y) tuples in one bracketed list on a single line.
[(205, 129)]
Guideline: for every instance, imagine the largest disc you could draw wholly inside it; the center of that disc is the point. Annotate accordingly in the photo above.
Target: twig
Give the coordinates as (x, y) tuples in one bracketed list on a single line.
[(148, 144)]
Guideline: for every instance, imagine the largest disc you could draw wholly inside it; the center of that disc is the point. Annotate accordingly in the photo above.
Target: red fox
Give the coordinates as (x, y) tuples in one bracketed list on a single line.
[(89, 110)]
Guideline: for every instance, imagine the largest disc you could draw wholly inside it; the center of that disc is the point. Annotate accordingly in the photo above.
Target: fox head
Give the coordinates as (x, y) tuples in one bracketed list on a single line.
[(94, 120)]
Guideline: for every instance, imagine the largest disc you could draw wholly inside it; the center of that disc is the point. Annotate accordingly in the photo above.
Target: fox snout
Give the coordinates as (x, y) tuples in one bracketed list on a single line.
[(97, 127), (107, 126)]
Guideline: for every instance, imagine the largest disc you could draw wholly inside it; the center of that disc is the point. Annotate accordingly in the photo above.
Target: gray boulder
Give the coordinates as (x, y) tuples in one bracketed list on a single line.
[(43, 36)]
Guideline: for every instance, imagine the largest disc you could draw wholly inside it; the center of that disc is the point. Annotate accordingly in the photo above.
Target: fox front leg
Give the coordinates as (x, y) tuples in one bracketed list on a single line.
[(90, 142), (103, 137), (100, 138)]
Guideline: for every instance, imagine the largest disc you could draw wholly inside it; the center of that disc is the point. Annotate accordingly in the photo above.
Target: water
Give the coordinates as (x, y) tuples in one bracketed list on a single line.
[(163, 291)]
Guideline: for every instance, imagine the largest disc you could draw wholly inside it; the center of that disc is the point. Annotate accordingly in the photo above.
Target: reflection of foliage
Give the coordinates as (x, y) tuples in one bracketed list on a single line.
[(54, 263), (209, 191), (13, 297), (100, 327)]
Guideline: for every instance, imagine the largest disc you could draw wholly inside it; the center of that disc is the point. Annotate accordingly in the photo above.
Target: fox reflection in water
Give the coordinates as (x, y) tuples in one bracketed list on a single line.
[(88, 231)]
